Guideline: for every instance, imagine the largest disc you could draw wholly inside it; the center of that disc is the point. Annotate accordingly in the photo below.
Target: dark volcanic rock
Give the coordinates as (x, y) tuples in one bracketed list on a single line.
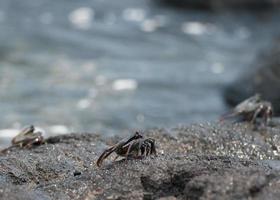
[(204, 161), (263, 79), (218, 4)]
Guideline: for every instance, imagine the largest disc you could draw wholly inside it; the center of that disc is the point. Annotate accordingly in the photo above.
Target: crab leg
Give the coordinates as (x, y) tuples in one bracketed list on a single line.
[(129, 149), (151, 144), (257, 112), (148, 148), (148, 151), (145, 151), (153, 147), (268, 115), (139, 148), (7, 149)]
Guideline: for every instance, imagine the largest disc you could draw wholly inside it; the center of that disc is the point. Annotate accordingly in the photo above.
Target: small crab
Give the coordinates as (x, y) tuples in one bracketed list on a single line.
[(252, 108), (133, 147), (26, 138)]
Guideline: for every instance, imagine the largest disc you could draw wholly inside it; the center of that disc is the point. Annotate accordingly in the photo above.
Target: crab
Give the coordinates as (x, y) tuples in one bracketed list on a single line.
[(135, 146), (252, 108), (26, 138)]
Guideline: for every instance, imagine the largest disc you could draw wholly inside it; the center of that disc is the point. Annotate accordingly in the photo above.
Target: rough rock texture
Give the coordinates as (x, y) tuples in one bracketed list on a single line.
[(218, 4), (264, 79), (203, 161)]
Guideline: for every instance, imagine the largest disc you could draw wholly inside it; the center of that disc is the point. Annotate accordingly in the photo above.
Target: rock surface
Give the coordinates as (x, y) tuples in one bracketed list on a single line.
[(264, 79), (218, 4), (202, 161)]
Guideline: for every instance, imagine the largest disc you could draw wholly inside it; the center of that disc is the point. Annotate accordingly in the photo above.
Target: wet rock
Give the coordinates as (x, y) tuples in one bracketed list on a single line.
[(264, 79), (202, 161), (220, 4)]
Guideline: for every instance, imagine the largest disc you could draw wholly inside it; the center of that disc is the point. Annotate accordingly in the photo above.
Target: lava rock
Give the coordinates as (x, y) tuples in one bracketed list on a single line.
[(263, 79), (221, 4), (200, 161)]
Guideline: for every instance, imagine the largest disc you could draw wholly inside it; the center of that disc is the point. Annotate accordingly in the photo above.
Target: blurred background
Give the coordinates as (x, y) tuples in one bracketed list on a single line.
[(111, 67)]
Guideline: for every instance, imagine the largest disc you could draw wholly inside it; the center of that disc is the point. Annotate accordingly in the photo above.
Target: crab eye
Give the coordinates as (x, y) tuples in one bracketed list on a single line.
[(138, 135)]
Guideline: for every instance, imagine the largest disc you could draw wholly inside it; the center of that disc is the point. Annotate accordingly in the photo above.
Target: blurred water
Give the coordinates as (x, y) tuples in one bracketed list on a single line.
[(113, 66)]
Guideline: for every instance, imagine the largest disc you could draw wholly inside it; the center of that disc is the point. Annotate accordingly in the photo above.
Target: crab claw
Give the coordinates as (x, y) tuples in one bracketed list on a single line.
[(104, 155), (27, 130), (137, 135)]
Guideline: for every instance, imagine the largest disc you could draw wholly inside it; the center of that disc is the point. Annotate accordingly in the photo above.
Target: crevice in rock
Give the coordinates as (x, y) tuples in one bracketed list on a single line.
[(194, 192), (17, 180), (257, 188), (174, 186)]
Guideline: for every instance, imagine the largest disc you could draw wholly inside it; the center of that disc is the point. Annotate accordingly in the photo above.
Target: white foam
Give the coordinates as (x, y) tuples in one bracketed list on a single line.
[(40, 129), (149, 25), (8, 133), (81, 17), (83, 104), (134, 14), (217, 68), (59, 129), (194, 28), (152, 24), (125, 84)]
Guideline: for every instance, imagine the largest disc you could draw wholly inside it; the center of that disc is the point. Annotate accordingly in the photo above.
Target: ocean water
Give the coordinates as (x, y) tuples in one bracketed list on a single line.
[(112, 67)]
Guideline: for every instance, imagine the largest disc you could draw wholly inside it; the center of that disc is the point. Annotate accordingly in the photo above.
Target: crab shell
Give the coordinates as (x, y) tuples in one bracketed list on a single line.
[(249, 105), (27, 136)]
